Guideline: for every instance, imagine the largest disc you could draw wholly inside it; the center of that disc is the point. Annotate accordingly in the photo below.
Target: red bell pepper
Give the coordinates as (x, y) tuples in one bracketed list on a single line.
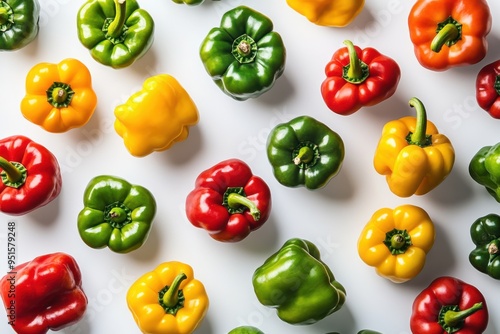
[(44, 294), (30, 175), (449, 305), (488, 88), (229, 201), (356, 78)]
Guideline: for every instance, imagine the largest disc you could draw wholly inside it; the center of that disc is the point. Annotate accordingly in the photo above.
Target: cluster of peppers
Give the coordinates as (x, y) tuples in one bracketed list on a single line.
[(228, 201)]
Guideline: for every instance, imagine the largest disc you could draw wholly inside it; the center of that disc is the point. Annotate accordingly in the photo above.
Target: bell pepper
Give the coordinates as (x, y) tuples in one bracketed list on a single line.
[(304, 152), (484, 168), (168, 300), (18, 23), (396, 242), (337, 13), (488, 88), (156, 117), (449, 305), (116, 214), (244, 56), (414, 157), (449, 33), (245, 330), (357, 77), (59, 97), (117, 32), (298, 284), (228, 201), (30, 175), (44, 294), (485, 234)]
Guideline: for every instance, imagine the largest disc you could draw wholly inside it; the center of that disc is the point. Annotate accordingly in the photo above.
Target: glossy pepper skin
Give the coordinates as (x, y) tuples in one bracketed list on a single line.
[(228, 201), (484, 168), (449, 33), (449, 305), (156, 117), (485, 234), (168, 300), (18, 23), (244, 55), (396, 242), (245, 330), (411, 153), (298, 284), (116, 214), (59, 97), (304, 152), (48, 294), (488, 88), (357, 77), (337, 13), (30, 175), (117, 32)]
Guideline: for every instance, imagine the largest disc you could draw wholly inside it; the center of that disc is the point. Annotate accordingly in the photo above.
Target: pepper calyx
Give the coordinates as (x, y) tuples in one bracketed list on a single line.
[(496, 85), (448, 33), (117, 215), (305, 155), (235, 201), (13, 173), (357, 71), (59, 95), (171, 298), (6, 16), (244, 49), (397, 241), (451, 318)]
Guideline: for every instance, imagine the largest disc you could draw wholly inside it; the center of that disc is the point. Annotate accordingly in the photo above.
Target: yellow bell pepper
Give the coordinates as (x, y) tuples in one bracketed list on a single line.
[(59, 97), (156, 117), (330, 13), (413, 155), (396, 242), (168, 300)]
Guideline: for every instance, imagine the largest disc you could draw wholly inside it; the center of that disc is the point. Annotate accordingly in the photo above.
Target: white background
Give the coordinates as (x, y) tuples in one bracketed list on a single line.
[(331, 217)]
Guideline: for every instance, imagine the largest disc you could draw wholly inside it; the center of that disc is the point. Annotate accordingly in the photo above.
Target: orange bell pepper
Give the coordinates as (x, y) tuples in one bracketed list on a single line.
[(59, 97), (449, 33)]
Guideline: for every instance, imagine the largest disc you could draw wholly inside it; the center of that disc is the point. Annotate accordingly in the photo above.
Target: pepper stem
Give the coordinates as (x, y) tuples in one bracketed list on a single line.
[(446, 35), (455, 318), (419, 136), (118, 215), (493, 247), (497, 84), (4, 16), (357, 71), (305, 155), (397, 241), (13, 174), (235, 200), (115, 28), (171, 297)]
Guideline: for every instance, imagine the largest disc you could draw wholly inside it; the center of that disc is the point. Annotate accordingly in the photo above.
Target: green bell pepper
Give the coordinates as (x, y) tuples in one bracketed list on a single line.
[(485, 234), (18, 23), (244, 56), (117, 32), (298, 284), (304, 152), (246, 330), (116, 214), (484, 168)]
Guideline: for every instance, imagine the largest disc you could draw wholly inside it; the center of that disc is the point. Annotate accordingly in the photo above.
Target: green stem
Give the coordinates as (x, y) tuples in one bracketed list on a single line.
[(171, 297), (497, 84), (115, 28), (419, 136), (12, 173), (118, 215), (357, 71), (455, 318), (493, 247), (397, 241), (305, 155), (59, 95), (4, 16), (446, 35), (235, 200)]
